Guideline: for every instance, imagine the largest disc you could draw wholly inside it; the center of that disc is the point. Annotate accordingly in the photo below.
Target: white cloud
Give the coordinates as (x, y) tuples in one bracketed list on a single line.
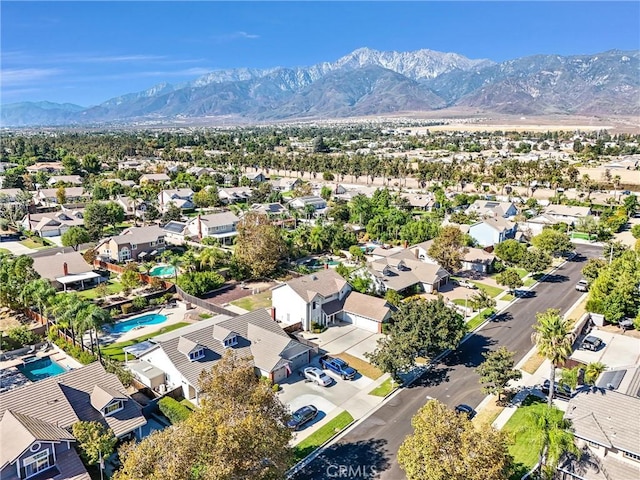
[(229, 37), (20, 76)]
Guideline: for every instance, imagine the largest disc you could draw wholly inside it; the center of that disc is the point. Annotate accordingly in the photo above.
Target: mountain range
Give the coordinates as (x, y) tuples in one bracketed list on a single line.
[(370, 82)]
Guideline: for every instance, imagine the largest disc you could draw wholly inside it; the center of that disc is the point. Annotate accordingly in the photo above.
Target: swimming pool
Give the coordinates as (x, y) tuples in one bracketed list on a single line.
[(40, 368), (162, 271), (143, 321)]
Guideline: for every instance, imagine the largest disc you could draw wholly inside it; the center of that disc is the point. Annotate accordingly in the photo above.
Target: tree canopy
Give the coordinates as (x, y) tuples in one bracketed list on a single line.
[(496, 371), (259, 245), (552, 242), (75, 236), (449, 248)]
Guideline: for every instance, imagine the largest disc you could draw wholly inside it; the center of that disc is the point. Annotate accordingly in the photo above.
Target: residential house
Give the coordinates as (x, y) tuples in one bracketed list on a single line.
[(534, 226), (179, 197), (324, 297), (488, 208), (221, 226), (568, 214), (48, 197), (478, 260), (132, 207), (154, 178), (176, 232), (185, 353), (135, 243), (9, 195), (53, 224), (285, 184), (270, 209), (301, 203), (492, 231), (420, 201), (234, 194), (200, 171), (255, 177), (36, 434), (67, 270), (605, 427), (406, 271), (66, 179), (46, 167)]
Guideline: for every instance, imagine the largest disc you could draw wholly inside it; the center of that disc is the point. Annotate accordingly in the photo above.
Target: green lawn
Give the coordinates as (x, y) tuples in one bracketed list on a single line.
[(322, 435), (115, 352), (521, 271), (254, 302), (384, 389), (525, 456), (488, 289), (459, 301), (507, 298), (113, 287), (31, 243), (478, 319), (530, 282), (4, 250), (188, 404)]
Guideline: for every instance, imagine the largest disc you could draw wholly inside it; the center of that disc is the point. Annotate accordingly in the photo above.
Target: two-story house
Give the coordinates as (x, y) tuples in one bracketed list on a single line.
[(37, 418), (48, 197), (568, 214), (492, 231), (301, 203), (183, 354), (135, 243), (234, 194), (324, 297), (489, 208), (179, 197), (221, 226)]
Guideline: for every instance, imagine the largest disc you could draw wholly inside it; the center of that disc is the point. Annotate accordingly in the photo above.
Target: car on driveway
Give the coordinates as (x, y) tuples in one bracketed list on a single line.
[(338, 366), (582, 285), (317, 376), (467, 284), (591, 343), (465, 410), (301, 416), (560, 391)]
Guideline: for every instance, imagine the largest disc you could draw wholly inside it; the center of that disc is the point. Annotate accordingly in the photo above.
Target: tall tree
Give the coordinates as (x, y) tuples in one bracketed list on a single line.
[(552, 336), (497, 371), (449, 248), (239, 432), (95, 441), (419, 328), (552, 242), (447, 446), (259, 245), (510, 279), (74, 237)]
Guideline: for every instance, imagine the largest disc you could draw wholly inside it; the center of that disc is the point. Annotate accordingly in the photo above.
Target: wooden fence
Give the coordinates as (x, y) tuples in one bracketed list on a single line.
[(203, 303), (111, 267)]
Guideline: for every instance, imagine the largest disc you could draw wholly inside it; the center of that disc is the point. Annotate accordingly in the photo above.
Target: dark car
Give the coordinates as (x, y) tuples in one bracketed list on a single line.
[(466, 410), (302, 416), (591, 343), (560, 391)]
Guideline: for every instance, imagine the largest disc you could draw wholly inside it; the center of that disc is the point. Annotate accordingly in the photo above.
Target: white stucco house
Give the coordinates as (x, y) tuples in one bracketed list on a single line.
[(492, 231), (324, 298)]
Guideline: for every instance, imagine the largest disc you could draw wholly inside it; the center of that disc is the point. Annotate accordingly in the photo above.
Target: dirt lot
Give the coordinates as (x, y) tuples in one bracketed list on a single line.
[(236, 291)]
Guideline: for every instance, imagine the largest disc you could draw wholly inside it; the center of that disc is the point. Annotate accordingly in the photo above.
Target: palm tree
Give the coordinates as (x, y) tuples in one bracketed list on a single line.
[(593, 371), (94, 318), (65, 310), (175, 262), (554, 341), (189, 261), (42, 293), (148, 266)]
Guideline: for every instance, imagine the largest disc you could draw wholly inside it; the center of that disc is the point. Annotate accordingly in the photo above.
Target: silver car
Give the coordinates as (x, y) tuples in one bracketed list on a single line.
[(582, 286), (317, 376)]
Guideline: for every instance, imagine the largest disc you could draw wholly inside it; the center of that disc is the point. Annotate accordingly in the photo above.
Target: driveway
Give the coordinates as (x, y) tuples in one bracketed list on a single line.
[(618, 351), (345, 337), (16, 248)]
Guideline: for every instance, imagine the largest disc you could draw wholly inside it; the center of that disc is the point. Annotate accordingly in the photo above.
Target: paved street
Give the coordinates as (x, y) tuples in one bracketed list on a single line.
[(369, 450)]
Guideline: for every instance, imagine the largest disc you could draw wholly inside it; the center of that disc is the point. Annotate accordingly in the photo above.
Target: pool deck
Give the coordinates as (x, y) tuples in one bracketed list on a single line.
[(174, 315)]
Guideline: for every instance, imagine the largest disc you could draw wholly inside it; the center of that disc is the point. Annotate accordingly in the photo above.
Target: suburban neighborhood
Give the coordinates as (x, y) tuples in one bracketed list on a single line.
[(347, 288)]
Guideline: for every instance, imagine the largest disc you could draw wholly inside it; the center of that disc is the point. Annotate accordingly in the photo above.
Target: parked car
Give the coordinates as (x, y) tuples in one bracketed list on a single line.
[(339, 366), (317, 376), (582, 285), (466, 410), (559, 391), (301, 416), (467, 284), (591, 343)]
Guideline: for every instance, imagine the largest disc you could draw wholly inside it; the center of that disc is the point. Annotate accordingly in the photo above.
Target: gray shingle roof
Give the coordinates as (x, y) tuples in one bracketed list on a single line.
[(19, 431), (219, 219), (324, 282), (186, 346), (138, 235), (66, 398), (52, 266), (367, 306), (103, 396), (257, 334), (603, 416)]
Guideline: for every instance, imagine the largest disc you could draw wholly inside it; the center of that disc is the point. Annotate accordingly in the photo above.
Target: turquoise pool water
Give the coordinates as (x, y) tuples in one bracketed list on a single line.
[(143, 321), (41, 368), (162, 271)]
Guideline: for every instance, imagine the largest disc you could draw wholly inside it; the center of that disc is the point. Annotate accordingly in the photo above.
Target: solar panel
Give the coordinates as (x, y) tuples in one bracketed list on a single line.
[(611, 380)]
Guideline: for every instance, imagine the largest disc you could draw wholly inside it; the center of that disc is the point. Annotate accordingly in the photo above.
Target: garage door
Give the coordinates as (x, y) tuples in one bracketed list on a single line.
[(360, 322), (279, 375), (299, 361)]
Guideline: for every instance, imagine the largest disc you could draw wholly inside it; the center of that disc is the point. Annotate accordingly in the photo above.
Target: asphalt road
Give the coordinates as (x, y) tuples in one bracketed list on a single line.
[(369, 450)]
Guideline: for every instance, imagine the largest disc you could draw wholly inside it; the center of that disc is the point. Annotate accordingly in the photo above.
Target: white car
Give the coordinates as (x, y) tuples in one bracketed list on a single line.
[(317, 376)]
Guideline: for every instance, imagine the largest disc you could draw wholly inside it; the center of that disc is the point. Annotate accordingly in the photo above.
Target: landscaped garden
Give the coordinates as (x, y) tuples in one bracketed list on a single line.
[(113, 287), (476, 321)]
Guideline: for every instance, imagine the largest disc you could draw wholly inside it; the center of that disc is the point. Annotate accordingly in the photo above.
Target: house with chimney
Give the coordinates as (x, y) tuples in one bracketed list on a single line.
[(179, 197), (183, 354), (325, 298), (67, 271), (221, 226), (135, 243), (35, 435)]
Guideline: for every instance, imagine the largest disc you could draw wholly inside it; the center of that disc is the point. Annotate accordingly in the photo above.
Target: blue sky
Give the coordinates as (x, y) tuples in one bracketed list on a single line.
[(88, 52)]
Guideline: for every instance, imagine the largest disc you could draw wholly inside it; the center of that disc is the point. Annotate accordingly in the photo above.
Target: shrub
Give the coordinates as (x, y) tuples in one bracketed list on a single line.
[(155, 284), (199, 283), (275, 387), (167, 297), (317, 328), (75, 351), (125, 376), (22, 336), (140, 302), (126, 308), (173, 410)]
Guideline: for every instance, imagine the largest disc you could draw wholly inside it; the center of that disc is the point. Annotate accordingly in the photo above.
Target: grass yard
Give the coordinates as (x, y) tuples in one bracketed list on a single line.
[(363, 367), (322, 435), (479, 319), (507, 298), (521, 272), (525, 455), (31, 243), (115, 352), (533, 363), (529, 282), (488, 289), (4, 250), (254, 302), (188, 404), (459, 301), (384, 389), (113, 287)]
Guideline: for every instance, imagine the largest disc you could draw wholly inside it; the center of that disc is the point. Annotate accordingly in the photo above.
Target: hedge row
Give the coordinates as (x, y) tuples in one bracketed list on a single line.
[(173, 410)]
